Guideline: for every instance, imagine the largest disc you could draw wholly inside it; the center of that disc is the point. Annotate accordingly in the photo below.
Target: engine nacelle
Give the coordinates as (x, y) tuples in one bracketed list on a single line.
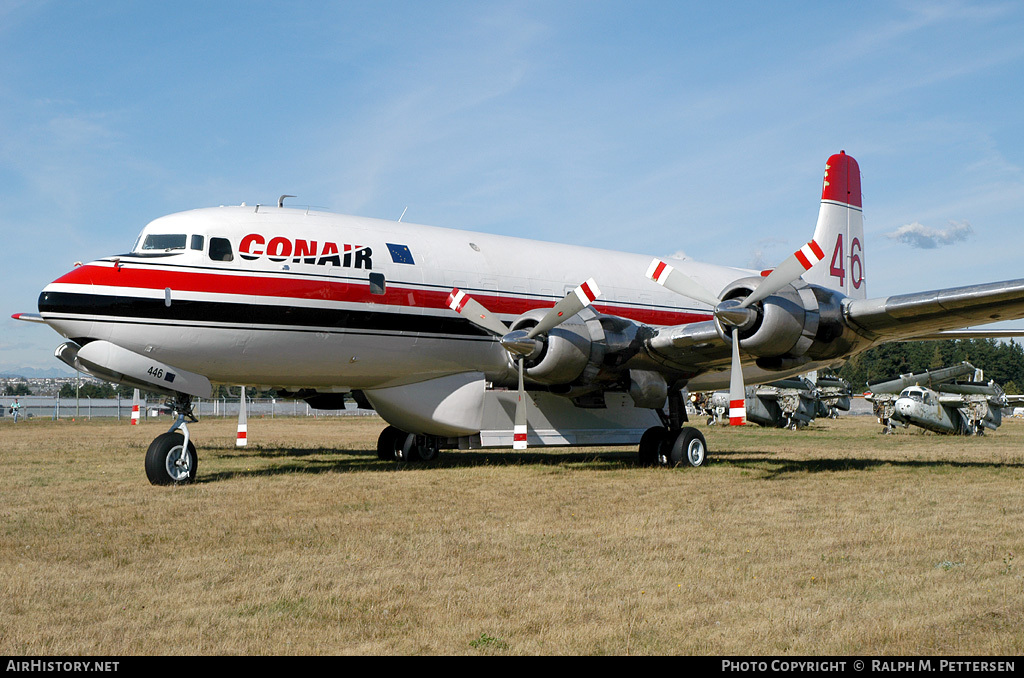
[(565, 353), (795, 325)]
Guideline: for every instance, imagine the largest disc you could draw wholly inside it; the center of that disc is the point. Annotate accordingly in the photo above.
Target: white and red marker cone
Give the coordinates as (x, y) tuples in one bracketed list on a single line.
[(241, 440), (135, 408)]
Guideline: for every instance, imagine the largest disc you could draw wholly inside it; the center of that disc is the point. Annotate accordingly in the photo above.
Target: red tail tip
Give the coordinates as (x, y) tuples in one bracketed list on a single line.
[(842, 180)]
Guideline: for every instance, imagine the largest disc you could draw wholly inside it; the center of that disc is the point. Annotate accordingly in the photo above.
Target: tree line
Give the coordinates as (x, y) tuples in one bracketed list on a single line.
[(1001, 361)]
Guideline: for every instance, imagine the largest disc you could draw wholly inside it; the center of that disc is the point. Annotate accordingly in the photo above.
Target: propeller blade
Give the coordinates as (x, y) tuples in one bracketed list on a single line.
[(680, 283), (789, 270), (573, 302), (473, 311), (519, 430), (737, 392), (522, 343)]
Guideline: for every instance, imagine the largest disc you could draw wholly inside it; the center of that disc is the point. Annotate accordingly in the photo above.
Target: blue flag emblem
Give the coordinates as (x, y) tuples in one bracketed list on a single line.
[(400, 254)]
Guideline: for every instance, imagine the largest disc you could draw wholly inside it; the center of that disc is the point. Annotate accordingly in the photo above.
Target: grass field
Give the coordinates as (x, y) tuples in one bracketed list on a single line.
[(830, 540)]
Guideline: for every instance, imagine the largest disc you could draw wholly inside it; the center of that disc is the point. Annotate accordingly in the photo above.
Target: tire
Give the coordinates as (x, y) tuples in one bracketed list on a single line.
[(689, 447), (652, 443), (406, 448), (165, 462), (387, 443), (427, 448)]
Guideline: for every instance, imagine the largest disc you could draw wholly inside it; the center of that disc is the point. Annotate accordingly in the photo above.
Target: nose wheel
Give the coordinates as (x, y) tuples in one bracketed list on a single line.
[(171, 460)]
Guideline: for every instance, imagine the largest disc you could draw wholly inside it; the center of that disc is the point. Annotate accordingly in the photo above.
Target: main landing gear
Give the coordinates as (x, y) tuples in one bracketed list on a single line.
[(171, 458), (397, 445), (673, 444)]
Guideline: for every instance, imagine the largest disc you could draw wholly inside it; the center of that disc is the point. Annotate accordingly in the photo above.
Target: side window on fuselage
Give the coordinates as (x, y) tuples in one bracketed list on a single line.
[(220, 249)]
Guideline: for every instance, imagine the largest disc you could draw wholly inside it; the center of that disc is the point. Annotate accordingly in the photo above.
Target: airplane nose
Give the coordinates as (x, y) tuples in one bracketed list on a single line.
[(68, 303)]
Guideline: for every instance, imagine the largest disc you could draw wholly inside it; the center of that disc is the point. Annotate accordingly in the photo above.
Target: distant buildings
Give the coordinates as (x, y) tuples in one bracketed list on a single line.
[(11, 386)]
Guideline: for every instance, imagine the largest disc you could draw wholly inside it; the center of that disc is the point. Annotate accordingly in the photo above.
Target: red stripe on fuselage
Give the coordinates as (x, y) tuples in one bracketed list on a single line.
[(335, 290)]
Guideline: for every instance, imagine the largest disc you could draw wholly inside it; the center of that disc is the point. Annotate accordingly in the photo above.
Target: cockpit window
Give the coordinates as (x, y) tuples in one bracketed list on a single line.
[(220, 249), (913, 394), (164, 242), (197, 242)]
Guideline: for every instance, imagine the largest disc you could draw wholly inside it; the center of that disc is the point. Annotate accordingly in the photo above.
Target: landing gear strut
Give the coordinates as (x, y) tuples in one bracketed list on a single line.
[(171, 458), (673, 443)]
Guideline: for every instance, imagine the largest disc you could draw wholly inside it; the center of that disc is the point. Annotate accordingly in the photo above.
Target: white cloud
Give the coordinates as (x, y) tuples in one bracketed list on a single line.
[(927, 238)]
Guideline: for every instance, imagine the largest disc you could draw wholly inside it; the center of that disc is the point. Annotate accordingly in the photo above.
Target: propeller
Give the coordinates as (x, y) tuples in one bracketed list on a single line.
[(737, 315), (521, 344)]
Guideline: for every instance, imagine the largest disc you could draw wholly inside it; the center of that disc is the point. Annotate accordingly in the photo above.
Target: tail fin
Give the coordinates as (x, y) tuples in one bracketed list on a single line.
[(840, 230)]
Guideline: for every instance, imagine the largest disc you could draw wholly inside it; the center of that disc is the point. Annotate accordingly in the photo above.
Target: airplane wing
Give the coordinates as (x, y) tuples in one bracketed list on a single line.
[(700, 348), (952, 399), (925, 314)]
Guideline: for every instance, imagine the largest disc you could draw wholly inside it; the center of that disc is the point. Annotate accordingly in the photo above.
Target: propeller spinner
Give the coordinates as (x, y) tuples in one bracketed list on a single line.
[(737, 315), (521, 344)]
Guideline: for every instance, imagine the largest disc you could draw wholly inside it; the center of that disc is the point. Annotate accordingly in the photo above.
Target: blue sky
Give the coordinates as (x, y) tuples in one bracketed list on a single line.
[(652, 127)]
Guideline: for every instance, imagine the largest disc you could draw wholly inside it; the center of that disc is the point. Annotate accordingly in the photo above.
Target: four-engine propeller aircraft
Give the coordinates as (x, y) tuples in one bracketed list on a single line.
[(938, 401), (434, 327)]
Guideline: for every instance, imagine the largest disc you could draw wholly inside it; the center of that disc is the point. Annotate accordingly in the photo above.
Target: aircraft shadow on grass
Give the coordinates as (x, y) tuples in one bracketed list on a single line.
[(328, 460)]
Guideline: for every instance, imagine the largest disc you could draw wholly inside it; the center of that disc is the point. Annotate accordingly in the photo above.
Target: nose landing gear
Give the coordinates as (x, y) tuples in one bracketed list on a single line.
[(171, 458)]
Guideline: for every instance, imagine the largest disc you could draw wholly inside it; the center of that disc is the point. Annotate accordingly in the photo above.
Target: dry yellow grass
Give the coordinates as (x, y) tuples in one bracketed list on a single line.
[(831, 540)]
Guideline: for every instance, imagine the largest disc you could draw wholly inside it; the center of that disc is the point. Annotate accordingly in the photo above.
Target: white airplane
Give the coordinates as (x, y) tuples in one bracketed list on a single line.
[(446, 332), (936, 401), (788, 403)]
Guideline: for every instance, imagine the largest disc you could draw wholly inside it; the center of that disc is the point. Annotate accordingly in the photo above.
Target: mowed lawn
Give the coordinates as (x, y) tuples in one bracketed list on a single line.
[(830, 540)]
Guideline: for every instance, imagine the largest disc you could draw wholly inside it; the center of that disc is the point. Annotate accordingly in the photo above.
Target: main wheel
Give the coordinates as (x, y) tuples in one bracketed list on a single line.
[(387, 443), (652, 446), (689, 447), (406, 448), (397, 445), (168, 462), (428, 448)]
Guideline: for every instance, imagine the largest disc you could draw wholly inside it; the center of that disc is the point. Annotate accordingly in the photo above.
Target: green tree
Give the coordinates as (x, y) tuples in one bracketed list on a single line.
[(1001, 361), (18, 388)]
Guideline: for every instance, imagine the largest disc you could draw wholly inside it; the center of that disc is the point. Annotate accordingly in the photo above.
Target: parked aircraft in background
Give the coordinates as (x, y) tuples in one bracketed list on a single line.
[(789, 403), (937, 400), (462, 340)]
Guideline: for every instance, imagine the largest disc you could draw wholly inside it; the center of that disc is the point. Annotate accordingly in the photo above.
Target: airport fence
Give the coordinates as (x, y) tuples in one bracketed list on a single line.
[(54, 407)]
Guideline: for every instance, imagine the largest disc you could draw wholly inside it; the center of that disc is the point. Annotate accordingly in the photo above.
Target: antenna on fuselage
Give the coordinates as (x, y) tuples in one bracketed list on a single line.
[(403, 212), (280, 201)]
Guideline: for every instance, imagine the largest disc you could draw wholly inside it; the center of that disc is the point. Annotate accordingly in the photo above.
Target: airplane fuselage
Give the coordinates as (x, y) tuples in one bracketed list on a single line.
[(921, 407), (291, 298)]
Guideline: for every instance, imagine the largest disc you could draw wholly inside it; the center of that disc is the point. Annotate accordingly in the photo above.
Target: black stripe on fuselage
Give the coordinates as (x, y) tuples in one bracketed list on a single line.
[(187, 310)]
